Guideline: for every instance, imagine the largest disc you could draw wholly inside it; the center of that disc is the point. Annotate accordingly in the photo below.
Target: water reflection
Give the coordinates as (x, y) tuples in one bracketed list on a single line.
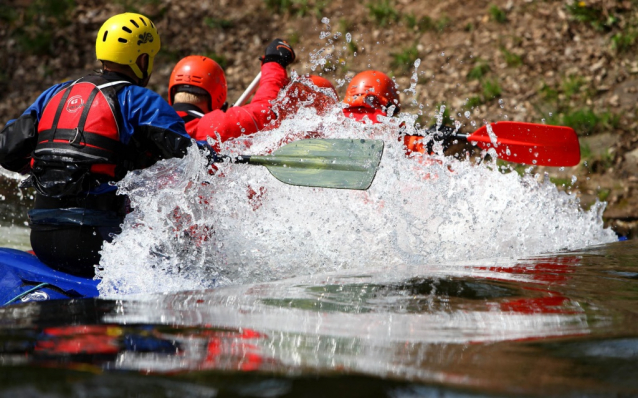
[(552, 325)]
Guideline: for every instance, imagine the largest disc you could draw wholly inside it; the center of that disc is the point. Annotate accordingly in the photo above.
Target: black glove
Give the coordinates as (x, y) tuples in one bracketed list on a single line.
[(445, 135), (280, 52)]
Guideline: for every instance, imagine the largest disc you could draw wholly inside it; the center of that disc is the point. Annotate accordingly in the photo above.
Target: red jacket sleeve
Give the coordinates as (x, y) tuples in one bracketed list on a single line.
[(247, 119)]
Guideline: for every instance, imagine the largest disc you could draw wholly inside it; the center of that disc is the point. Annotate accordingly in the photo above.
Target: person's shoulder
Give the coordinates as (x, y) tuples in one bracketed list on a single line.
[(139, 90), (138, 94), (57, 87)]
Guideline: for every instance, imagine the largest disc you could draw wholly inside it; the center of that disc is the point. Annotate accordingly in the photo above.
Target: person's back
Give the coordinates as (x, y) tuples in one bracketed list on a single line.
[(78, 136), (197, 90)]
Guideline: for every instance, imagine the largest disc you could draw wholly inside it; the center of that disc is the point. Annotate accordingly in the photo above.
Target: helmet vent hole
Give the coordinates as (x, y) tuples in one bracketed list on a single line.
[(122, 40), (152, 24), (106, 32), (124, 28), (143, 21), (135, 23)]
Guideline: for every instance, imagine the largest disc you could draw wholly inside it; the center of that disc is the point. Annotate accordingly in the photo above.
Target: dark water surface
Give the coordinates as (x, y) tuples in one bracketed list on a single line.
[(557, 325)]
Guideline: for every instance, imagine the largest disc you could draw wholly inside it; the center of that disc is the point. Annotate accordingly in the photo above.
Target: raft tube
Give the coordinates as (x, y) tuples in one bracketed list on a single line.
[(24, 278)]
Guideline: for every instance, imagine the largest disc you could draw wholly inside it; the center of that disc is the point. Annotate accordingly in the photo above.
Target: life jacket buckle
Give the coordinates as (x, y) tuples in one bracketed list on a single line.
[(79, 134)]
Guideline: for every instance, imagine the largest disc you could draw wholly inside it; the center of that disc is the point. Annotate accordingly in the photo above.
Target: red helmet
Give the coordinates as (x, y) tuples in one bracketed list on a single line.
[(322, 82), (196, 73), (372, 89)]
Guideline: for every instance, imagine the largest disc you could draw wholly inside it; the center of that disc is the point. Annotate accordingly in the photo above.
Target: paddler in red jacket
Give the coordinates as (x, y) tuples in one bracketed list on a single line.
[(371, 94), (197, 90), (303, 93)]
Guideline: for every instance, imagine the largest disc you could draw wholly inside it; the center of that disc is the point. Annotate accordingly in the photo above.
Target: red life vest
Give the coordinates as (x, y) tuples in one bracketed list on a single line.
[(78, 135)]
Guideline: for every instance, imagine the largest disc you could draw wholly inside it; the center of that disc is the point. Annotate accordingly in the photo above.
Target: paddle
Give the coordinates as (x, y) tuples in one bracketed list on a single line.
[(325, 163), (526, 143)]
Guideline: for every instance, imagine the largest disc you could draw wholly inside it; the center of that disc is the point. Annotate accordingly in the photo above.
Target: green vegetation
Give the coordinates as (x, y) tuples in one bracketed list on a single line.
[(169, 55), (593, 15), (220, 59), (624, 40), (596, 163), (473, 102), (603, 194), (7, 13), (511, 59), (561, 182), (426, 23), (411, 21), (383, 12), (568, 99), (305, 7), (353, 47), (218, 23), (42, 19), (404, 60), (572, 85), (293, 38), (480, 69), (446, 119), (491, 89), (279, 6), (300, 8), (507, 167), (497, 14), (604, 18), (586, 121), (344, 27)]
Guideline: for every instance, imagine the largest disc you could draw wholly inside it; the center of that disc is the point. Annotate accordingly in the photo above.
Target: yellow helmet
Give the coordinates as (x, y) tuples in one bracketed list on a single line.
[(124, 37)]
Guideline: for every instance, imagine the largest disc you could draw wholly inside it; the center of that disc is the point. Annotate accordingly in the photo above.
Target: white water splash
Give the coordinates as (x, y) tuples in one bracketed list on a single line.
[(192, 230)]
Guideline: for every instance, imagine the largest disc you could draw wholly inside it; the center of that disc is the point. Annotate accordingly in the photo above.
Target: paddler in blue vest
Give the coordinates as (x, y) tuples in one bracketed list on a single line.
[(78, 136)]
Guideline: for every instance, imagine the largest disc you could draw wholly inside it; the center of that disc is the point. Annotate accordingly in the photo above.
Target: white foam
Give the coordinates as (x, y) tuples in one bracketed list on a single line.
[(418, 210)]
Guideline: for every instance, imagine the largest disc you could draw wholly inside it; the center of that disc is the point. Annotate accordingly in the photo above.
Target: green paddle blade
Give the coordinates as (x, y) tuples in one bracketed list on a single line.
[(334, 163)]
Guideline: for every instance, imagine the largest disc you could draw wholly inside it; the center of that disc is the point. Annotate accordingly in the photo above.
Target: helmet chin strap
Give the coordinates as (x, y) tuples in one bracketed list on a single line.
[(137, 71)]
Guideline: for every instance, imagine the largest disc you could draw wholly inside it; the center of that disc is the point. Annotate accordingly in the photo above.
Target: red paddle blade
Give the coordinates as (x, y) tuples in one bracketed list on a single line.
[(529, 143)]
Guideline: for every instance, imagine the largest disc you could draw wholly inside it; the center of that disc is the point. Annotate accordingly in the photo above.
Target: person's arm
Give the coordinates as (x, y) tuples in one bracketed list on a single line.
[(151, 125), (249, 119), (19, 137)]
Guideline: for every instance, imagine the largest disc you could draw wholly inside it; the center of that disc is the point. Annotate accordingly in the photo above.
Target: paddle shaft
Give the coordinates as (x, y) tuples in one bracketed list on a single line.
[(249, 91), (334, 163)]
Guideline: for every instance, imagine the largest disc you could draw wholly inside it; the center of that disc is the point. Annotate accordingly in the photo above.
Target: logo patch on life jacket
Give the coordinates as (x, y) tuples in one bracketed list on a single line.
[(145, 38), (74, 104)]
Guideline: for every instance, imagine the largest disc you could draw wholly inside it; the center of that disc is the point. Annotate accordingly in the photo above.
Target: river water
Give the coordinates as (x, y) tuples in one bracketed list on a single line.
[(564, 324), (447, 277)]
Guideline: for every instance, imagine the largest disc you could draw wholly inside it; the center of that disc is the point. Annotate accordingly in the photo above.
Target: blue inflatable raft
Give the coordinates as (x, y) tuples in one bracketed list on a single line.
[(24, 278)]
